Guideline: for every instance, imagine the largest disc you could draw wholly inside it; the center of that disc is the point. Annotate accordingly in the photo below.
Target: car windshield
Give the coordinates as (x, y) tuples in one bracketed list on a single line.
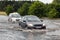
[(16, 15), (33, 19)]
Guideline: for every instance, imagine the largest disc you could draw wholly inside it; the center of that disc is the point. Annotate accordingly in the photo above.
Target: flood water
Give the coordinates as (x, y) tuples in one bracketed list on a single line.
[(6, 33)]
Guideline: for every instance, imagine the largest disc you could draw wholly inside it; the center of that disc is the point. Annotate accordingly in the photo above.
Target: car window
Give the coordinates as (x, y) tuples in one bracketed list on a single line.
[(24, 18), (15, 15), (33, 19)]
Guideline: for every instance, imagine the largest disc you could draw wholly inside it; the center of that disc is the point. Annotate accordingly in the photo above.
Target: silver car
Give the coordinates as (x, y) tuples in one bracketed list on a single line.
[(31, 21), (14, 17)]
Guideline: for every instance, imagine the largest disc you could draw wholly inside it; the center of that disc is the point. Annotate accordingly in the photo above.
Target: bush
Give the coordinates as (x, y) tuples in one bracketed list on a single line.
[(9, 9), (24, 9), (37, 8), (52, 13)]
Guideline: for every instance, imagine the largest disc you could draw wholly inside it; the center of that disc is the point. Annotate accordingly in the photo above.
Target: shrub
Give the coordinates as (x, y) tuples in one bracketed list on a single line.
[(9, 9), (24, 9), (52, 13), (37, 8)]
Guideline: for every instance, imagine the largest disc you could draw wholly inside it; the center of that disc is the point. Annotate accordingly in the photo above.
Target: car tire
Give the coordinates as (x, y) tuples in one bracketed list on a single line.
[(8, 19), (23, 26), (13, 22)]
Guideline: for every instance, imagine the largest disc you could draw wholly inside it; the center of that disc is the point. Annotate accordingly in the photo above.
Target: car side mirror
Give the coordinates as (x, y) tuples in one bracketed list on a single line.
[(41, 20)]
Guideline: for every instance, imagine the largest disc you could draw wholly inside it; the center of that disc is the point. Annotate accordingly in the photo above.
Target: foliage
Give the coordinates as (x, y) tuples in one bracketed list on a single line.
[(24, 9), (37, 8), (9, 9), (56, 1), (52, 13)]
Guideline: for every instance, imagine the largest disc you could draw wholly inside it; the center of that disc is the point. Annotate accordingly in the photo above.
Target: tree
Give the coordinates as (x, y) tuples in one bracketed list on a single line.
[(37, 8), (9, 9), (57, 6), (53, 13), (24, 9), (56, 1)]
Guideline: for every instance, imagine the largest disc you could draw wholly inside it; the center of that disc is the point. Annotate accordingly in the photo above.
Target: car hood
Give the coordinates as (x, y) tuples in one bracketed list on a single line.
[(16, 18), (34, 23)]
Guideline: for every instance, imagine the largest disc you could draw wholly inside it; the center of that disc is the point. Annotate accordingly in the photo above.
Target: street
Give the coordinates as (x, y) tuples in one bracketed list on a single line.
[(7, 31)]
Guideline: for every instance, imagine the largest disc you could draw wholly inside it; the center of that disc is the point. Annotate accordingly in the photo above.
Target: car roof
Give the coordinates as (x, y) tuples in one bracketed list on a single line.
[(29, 16), (13, 13)]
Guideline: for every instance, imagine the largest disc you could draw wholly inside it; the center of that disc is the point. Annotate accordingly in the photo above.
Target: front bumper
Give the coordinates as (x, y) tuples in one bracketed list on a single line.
[(17, 20), (37, 27)]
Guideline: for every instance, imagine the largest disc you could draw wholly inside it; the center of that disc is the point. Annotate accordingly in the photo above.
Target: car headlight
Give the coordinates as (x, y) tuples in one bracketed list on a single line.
[(30, 25), (44, 25)]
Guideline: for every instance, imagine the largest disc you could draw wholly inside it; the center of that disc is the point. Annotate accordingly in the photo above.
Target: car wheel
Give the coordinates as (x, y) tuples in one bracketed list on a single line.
[(8, 19), (23, 26), (13, 22)]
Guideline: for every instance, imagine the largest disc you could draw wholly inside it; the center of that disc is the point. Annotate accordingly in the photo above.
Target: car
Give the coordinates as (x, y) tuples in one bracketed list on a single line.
[(14, 17), (31, 22)]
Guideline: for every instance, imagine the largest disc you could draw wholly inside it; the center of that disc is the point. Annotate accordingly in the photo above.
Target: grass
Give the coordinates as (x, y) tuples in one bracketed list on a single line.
[(2, 13)]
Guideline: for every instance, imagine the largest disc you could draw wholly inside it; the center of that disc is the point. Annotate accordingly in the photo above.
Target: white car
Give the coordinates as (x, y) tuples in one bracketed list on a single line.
[(14, 17)]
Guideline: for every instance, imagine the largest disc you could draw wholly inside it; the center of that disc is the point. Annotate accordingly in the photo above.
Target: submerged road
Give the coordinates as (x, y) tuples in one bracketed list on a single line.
[(7, 32)]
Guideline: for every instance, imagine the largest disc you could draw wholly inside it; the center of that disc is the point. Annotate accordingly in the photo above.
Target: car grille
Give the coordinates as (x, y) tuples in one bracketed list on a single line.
[(38, 25)]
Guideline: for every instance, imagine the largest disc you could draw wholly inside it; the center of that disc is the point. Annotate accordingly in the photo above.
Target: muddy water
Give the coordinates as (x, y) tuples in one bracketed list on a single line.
[(11, 35), (53, 32), (6, 34)]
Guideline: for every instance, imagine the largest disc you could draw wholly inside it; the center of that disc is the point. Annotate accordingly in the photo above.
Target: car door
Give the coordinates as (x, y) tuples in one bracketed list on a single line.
[(23, 22)]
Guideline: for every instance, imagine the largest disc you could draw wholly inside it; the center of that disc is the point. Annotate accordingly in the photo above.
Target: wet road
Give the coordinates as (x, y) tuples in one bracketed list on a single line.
[(7, 33)]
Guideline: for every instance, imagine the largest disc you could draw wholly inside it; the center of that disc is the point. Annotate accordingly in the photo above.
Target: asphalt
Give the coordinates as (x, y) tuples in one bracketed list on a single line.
[(8, 31)]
